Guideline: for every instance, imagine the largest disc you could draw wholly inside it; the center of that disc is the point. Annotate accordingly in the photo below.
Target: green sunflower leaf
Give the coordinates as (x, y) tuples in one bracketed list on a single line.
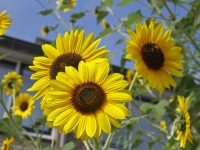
[(46, 12), (105, 32), (134, 140), (106, 3), (69, 146), (7, 127), (53, 28), (133, 17), (101, 14), (77, 15), (18, 119), (48, 148), (197, 21), (171, 143), (120, 41), (65, 6), (131, 120), (125, 2), (3, 56), (159, 128), (157, 110)]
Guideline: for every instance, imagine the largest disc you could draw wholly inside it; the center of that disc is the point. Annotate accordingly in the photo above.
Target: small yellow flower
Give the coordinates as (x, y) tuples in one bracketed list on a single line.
[(129, 76), (96, 11), (44, 30), (105, 24), (163, 124), (24, 105), (183, 122), (171, 99), (12, 80), (154, 23), (71, 3), (6, 143), (4, 21)]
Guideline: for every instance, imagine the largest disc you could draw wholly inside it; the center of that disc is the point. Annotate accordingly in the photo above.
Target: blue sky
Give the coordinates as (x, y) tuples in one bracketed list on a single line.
[(27, 22)]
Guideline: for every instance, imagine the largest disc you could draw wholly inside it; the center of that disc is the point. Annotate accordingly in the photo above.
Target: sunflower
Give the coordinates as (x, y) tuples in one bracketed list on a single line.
[(71, 49), (88, 100), (6, 143), (44, 30), (183, 122), (12, 80), (4, 21), (163, 124), (155, 55), (105, 24), (70, 3), (24, 105), (129, 76)]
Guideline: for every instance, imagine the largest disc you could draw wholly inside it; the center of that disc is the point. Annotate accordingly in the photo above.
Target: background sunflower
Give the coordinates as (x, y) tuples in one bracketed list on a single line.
[(5, 21), (10, 81), (24, 105)]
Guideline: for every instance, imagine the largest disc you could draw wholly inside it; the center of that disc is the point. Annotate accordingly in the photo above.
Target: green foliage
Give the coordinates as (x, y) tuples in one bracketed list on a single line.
[(53, 28), (157, 110), (101, 14), (65, 6), (7, 127), (76, 16), (105, 32), (120, 41), (133, 17), (3, 56), (69, 146), (159, 128), (125, 2), (46, 12), (106, 3), (48, 148), (134, 141), (171, 143), (131, 120)]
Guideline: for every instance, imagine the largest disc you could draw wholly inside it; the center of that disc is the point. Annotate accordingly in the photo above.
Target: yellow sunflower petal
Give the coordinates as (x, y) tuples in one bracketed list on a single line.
[(103, 121), (91, 125), (50, 51)]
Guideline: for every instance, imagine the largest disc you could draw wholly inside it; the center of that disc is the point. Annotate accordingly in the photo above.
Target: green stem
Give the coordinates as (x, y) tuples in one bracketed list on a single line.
[(96, 144), (13, 95), (108, 141), (41, 135), (27, 134), (86, 145), (181, 26), (133, 81), (58, 16), (20, 135), (173, 128)]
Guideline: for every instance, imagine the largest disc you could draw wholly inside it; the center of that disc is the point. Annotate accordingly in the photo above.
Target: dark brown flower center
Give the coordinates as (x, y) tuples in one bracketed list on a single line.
[(24, 106), (153, 56), (68, 59), (88, 97)]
